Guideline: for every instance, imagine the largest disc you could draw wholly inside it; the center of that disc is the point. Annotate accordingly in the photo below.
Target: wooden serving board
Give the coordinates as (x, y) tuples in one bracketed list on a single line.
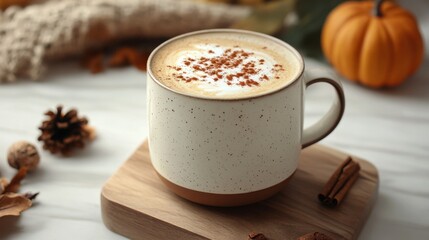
[(136, 204)]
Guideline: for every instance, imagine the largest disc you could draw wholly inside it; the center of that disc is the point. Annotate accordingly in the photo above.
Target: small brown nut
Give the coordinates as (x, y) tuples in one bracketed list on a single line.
[(23, 154)]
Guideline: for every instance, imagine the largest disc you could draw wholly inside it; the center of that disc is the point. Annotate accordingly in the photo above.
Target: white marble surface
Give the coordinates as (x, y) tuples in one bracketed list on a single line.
[(390, 128)]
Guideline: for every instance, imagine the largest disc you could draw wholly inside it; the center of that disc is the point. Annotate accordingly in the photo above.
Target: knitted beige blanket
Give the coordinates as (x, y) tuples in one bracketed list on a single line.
[(31, 36)]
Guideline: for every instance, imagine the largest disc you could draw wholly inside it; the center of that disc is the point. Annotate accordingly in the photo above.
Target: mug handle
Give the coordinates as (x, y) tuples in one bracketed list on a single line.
[(330, 120)]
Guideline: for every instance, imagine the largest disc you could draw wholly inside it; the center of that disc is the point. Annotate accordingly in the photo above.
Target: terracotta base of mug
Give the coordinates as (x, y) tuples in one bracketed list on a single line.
[(224, 200)]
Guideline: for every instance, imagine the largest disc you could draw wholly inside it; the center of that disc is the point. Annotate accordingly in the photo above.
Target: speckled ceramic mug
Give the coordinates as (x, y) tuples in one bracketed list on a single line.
[(237, 151)]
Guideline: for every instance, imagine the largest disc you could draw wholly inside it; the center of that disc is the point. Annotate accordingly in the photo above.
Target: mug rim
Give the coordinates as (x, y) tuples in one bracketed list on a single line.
[(226, 30)]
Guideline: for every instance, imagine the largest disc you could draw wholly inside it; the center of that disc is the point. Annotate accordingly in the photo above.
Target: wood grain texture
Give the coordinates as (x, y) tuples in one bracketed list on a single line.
[(137, 205)]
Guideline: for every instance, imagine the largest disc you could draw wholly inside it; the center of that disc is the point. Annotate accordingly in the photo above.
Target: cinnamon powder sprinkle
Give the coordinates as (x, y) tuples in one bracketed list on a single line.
[(215, 66)]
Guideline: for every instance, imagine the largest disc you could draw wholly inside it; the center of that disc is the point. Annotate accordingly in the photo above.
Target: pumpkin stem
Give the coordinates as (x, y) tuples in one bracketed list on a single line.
[(377, 8)]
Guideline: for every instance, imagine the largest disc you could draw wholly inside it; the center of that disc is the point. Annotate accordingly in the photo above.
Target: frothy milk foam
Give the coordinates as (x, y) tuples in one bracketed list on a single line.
[(224, 65)]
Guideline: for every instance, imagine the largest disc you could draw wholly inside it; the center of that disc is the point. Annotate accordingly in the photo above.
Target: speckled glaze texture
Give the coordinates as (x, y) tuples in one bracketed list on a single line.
[(233, 146), (225, 147)]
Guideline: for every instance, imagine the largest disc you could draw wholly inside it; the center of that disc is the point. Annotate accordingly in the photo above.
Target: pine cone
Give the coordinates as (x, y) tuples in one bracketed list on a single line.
[(62, 133)]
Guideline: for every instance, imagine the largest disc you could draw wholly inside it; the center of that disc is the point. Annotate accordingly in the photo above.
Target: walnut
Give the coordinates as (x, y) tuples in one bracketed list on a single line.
[(23, 154)]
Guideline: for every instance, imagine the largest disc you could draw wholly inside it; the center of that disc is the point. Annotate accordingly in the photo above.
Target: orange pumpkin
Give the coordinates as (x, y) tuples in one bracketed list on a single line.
[(377, 43)]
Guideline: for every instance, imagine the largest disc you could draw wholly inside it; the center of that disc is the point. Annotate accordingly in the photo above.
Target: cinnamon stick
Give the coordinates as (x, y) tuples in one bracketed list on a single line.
[(339, 183), (338, 198)]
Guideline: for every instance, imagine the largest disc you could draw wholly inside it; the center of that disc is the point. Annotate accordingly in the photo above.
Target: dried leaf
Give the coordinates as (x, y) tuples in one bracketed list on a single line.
[(94, 62), (12, 204), (15, 183), (141, 61), (31, 196), (128, 56), (267, 18), (123, 56)]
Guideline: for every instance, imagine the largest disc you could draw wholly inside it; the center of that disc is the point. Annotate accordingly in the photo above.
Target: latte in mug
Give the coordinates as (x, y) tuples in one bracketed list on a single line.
[(224, 66), (225, 115)]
